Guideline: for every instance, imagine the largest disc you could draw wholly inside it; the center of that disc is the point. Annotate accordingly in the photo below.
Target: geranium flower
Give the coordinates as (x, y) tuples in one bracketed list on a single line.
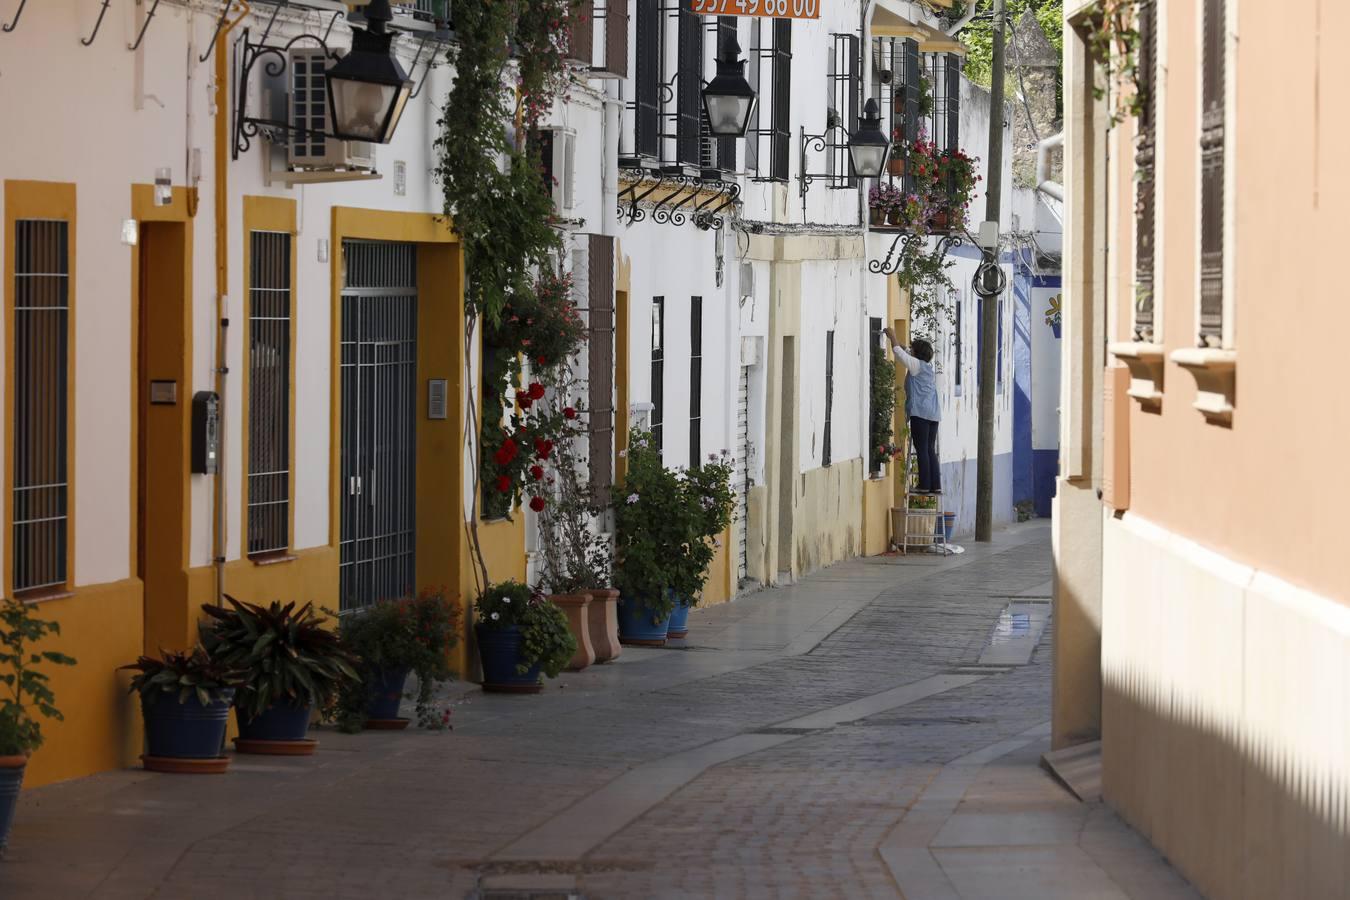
[(536, 391)]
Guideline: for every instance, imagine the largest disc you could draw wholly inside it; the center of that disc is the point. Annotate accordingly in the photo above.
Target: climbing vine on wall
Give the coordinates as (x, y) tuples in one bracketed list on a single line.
[(510, 67), (1113, 41)]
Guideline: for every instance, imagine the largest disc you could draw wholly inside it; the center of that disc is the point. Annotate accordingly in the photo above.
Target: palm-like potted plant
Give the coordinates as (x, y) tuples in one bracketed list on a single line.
[(185, 702), (521, 635), (25, 696), (392, 639), (293, 661)]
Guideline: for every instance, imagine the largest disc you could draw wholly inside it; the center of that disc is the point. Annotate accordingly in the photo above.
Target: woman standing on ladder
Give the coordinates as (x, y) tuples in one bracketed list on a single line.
[(922, 408)]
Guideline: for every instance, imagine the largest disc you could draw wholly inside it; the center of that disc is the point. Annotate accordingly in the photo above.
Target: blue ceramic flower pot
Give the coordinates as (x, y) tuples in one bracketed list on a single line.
[(641, 627), (500, 651), (678, 627), (386, 693), (1058, 329), (279, 722), (11, 779), (185, 730)]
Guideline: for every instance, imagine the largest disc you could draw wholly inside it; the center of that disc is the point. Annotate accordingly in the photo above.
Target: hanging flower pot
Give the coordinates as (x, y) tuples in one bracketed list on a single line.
[(895, 166)]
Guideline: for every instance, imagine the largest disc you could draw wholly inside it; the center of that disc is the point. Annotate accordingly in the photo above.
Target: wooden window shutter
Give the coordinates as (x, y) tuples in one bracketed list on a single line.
[(1145, 156), (647, 125), (581, 33), (782, 100), (953, 71), (1213, 97), (600, 369), (616, 37), (689, 108), (912, 71)]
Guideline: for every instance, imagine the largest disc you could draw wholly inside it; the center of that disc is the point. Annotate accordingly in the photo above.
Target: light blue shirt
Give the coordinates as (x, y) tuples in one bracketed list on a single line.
[(921, 395)]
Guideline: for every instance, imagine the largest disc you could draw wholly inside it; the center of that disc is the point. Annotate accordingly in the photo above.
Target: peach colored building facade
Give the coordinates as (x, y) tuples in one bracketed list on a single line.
[(1203, 591)]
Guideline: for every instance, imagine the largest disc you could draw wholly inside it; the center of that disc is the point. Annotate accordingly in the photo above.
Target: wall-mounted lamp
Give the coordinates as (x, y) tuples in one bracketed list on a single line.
[(869, 146), (368, 88), (728, 99)]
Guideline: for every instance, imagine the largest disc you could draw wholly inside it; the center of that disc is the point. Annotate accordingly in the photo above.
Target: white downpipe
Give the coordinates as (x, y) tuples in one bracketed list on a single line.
[(1043, 184)]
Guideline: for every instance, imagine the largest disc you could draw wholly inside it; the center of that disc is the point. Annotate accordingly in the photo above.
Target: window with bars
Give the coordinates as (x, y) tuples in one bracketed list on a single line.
[(1213, 99), (600, 368), (768, 154), (41, 340), (844, 86), (269, 392), (780, 134), (941, 114), (695, 380), (958, 354), (658, 369), (1145, 176), (829, 399)]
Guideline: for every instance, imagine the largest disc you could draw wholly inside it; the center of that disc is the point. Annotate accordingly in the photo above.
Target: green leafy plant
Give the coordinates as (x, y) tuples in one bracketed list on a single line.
[(1113, 40), (413, 633), (651, 528), (923, 501), (545, 639), (290, 656), (26, 686), (186, 674), (708, 502), (881, 424)]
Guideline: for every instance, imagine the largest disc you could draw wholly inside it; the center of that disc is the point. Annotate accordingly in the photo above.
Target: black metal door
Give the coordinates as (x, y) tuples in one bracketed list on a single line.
[(379, 398)]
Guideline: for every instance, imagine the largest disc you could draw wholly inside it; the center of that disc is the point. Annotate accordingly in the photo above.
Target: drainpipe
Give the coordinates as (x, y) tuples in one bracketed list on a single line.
[(222, 161), (1043, 184)]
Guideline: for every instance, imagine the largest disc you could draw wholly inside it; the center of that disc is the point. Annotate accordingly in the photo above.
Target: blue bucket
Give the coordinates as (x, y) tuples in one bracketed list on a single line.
[(279, 722), (185, 730), (499, 649), (11, 779), (386, 693), (678, 626), (638, 625)]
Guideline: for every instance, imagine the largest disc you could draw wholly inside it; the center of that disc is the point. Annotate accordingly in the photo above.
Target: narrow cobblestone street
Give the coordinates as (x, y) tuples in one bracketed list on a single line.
[(840, 737)]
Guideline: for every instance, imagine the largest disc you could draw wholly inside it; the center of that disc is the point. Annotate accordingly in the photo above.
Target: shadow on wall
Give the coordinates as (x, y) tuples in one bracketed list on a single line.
[(1239, 813)]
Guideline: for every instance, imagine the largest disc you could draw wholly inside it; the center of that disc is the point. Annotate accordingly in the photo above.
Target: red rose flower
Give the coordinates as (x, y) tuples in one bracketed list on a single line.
[(543, 448), (523, 399), (537, 504), (505, 453), (569, 413), (541, 361), (536, 391), (536, 472), (504, 483)]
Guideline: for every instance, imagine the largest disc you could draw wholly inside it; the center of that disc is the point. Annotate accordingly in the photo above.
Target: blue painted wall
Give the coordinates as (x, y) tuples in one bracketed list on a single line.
[(1023, 467)]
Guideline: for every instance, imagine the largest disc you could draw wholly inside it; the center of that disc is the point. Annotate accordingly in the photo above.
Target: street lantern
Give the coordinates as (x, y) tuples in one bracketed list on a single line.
[(728, 99), (869, 146), (368, 88)]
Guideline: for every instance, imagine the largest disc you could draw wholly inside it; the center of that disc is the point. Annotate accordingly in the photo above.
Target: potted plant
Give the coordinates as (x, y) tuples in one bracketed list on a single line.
[(953, 189), (882, 201), (292, 663), (575, 555), (24, 696), (651, 536), (895, 163), (185, 702), (391, 639), (1054, 315), (520, 635), (708, 504)]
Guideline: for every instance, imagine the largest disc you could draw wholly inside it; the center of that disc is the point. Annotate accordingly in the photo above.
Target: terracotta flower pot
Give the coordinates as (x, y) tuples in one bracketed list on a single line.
[(577, 609), (878, 215), (604, 621), (895, 166), (896, 217)]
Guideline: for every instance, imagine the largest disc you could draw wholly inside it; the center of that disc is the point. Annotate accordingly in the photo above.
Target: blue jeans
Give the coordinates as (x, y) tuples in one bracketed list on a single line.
[(924, 433)]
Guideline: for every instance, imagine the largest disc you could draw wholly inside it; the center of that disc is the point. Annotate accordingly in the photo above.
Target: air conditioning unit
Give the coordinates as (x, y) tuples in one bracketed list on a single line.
[(558, 147), (307, 112)]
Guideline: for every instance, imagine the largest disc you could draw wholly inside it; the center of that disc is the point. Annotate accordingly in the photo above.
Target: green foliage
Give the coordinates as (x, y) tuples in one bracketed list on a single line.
[(667, 525), (978, 36), (185, 674), (1113, 40), (881, 425), (289, 655), (545, 639), (413, 633), (575, 556), (26, 689)]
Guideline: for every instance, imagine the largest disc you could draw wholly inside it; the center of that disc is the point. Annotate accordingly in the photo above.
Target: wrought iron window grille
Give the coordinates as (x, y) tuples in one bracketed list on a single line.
[(672, 197), (890, 264)]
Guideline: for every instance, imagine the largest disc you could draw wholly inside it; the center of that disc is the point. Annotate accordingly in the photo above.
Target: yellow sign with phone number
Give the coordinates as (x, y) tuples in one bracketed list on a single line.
[(766, 9)]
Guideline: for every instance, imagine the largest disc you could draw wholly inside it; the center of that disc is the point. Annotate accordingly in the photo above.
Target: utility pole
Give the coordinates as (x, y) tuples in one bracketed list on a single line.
[(989, 284)]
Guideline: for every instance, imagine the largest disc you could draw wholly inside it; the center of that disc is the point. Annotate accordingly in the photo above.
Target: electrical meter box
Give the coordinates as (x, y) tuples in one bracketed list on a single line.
[(205, 433)]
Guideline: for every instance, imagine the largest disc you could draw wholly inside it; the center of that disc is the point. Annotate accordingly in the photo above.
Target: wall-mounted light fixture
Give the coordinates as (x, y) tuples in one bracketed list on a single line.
[(868, 148), (368, 88), (728, 99)]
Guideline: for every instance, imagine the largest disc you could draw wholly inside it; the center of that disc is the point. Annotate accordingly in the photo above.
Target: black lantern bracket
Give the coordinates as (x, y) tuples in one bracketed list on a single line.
[(14, 23), (275, 58), (903, 241), (816, 143)]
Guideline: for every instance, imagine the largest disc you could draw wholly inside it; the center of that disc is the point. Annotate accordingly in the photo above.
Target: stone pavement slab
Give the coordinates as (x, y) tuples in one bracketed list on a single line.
[(794, 746)]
